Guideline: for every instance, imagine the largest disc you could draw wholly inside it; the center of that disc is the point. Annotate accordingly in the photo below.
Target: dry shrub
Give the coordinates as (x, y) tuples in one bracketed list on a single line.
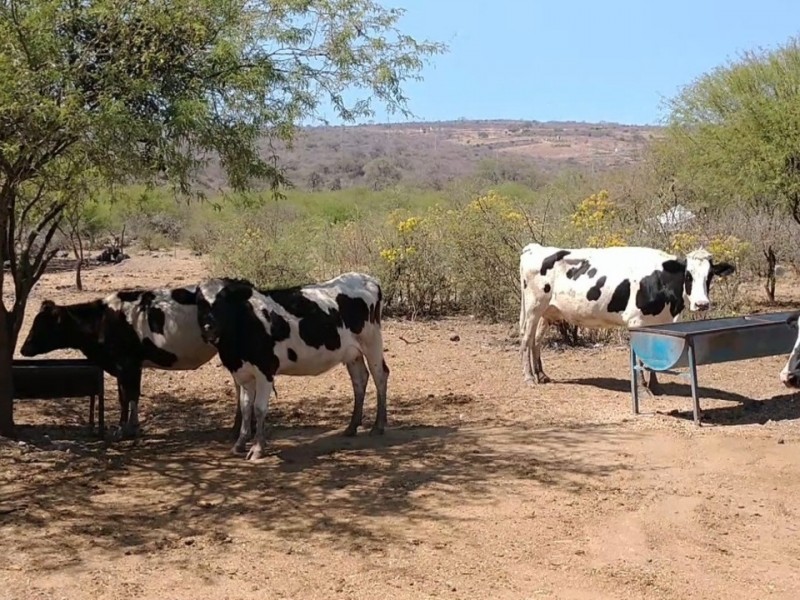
[(267, 247)]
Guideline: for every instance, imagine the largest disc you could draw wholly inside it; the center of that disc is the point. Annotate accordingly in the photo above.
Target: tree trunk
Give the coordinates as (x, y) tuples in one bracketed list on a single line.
[(769, 285), (79, 256), (7, 344)]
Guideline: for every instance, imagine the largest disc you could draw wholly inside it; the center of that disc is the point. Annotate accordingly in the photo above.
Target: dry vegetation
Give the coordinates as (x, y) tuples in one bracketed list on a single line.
[(431, 154)]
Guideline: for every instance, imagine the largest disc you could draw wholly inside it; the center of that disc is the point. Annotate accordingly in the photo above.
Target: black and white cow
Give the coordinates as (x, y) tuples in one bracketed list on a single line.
[(790, 374), (625, 286), (123, 333), (305, 330)]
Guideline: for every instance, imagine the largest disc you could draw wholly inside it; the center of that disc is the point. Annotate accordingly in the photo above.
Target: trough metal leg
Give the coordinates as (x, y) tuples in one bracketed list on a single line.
[(91, 413), (693, 375), (634, 386)]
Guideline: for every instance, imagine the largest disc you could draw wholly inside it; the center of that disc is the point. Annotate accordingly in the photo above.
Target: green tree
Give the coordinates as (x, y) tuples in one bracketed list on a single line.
[(146, 91), (734, 138)]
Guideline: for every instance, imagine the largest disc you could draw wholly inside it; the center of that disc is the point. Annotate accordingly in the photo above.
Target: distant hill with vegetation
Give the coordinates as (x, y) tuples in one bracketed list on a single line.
[(430, 154)]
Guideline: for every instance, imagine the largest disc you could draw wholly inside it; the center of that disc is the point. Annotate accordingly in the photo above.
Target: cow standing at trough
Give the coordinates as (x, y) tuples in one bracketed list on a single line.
[(123, 333), (790, 374), (304, 330), (624, 286)]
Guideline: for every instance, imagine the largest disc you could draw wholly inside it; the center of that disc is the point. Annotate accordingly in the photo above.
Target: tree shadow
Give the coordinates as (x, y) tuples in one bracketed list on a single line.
[(180, 481)]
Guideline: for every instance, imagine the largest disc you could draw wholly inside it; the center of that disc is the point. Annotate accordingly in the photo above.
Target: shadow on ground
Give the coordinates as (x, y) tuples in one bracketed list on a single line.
[(180, 479), (747, 411)]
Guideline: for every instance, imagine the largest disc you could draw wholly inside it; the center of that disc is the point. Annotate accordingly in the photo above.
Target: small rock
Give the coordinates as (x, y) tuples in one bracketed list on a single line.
[(188, 541), (455, 338), (780, 441)]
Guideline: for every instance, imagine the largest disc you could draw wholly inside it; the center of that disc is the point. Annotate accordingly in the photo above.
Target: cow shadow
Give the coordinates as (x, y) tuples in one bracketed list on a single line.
[(180, 482)]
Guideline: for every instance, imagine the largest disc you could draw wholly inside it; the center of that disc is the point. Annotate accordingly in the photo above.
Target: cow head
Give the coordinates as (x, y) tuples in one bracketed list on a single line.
[(219, 302), (50, 330), (700, 270), (790, 375)]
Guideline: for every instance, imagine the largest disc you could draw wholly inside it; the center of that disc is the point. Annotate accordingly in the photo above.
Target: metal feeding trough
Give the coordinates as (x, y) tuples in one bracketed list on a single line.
[(688, 344), (46, 379)]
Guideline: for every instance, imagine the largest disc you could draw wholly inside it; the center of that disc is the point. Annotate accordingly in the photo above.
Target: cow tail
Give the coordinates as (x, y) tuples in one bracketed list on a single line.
[(377, 314)]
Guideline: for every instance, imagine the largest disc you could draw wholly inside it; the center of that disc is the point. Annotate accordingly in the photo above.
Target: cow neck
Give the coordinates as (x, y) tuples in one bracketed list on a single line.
[(85, 321)]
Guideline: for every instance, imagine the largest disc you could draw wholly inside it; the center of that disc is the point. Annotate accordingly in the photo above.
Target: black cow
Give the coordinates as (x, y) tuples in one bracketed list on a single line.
[(304, 330), (123, 333)]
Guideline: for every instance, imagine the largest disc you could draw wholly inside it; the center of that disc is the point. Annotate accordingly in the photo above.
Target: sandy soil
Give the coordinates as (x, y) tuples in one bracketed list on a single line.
[(481, 488)]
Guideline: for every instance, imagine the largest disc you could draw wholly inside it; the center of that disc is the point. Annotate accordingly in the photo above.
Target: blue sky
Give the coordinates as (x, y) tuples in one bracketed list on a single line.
[(584, 60)]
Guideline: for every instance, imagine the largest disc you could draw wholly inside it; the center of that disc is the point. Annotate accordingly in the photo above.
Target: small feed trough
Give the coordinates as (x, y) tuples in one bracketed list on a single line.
[(45, 379), (692, 343)]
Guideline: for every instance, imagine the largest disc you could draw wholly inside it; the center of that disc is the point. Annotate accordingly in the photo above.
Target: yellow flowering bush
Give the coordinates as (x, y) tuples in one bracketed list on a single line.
[(494, 204), (724, 248), (684, 242), (597, 218), (728, 248)]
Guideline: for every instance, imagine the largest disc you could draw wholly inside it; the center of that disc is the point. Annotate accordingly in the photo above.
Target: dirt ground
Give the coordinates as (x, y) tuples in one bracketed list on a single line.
[(482, 487)]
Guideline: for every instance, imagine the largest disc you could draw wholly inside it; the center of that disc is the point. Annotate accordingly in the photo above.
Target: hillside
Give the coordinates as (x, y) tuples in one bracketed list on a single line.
[(431, 153)]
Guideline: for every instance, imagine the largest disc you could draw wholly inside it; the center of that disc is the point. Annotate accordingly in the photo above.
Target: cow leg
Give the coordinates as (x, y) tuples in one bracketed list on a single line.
[(247, 394), (130, 378), (538, 341), (530, 324), (359, 376), (652, 385), (237, 420), (123, 404), (380, 375), (263, 392)]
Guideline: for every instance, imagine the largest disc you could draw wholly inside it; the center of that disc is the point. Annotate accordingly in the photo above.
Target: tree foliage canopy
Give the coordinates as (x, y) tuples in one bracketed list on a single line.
[(734, 133), (116, 91)]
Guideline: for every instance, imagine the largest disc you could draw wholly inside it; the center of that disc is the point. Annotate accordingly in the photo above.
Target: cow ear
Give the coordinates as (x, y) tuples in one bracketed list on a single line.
[(723, 269), (674, 266), (792, 319), (47, 306)]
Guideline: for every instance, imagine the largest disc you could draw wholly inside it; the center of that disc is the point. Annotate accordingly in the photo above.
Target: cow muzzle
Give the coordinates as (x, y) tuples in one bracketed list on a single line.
[(209, 334), (790, 380), (701, 306)]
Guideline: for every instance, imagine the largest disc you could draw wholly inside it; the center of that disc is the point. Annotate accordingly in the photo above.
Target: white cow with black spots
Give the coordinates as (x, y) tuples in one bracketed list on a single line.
[(304, 330), (626, 286)]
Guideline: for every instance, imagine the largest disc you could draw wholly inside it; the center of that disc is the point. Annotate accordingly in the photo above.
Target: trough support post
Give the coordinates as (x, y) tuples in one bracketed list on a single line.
[(693, 381), (91, 413), (634, 381)]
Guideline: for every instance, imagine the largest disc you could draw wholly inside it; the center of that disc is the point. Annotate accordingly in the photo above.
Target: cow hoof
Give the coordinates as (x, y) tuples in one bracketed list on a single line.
[(544, 378), (126, 432), (256, 452), (530, 381), (377, 430), (239, 448), (350, 431)]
